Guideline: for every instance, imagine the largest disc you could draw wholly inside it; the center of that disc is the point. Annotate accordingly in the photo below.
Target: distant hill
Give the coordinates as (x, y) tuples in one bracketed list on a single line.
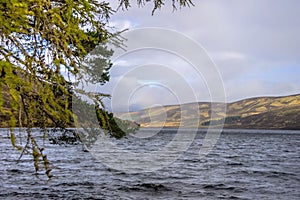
[(254, 113)]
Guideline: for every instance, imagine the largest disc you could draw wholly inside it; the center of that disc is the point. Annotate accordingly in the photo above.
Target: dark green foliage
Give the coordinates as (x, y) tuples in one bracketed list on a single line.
[(94, 116), (97, 65)]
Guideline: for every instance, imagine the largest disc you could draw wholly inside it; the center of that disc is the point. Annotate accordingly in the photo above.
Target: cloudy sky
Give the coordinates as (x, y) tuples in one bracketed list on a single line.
[(254, 44)]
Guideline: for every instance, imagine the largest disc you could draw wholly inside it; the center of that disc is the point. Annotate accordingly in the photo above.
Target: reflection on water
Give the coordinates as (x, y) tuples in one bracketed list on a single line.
[(243, 165)]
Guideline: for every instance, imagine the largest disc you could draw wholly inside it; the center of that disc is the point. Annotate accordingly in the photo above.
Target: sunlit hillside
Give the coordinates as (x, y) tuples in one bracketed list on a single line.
[(256, 113)]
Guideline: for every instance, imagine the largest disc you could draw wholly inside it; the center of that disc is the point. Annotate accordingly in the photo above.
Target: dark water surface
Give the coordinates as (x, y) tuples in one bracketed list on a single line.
[(243, 165)]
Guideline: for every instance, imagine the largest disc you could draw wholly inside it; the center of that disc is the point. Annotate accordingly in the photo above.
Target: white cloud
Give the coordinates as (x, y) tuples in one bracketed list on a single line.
[(122, 24)]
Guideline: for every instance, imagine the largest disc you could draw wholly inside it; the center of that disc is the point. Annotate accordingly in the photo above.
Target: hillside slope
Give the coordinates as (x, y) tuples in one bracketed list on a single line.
[(254, 113)]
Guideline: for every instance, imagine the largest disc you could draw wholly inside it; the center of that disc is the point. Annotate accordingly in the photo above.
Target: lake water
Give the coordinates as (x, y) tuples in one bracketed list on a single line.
[(243, 165)]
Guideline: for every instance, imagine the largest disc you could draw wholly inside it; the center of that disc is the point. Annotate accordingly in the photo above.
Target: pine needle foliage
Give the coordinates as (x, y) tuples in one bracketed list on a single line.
[(43, 47)]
